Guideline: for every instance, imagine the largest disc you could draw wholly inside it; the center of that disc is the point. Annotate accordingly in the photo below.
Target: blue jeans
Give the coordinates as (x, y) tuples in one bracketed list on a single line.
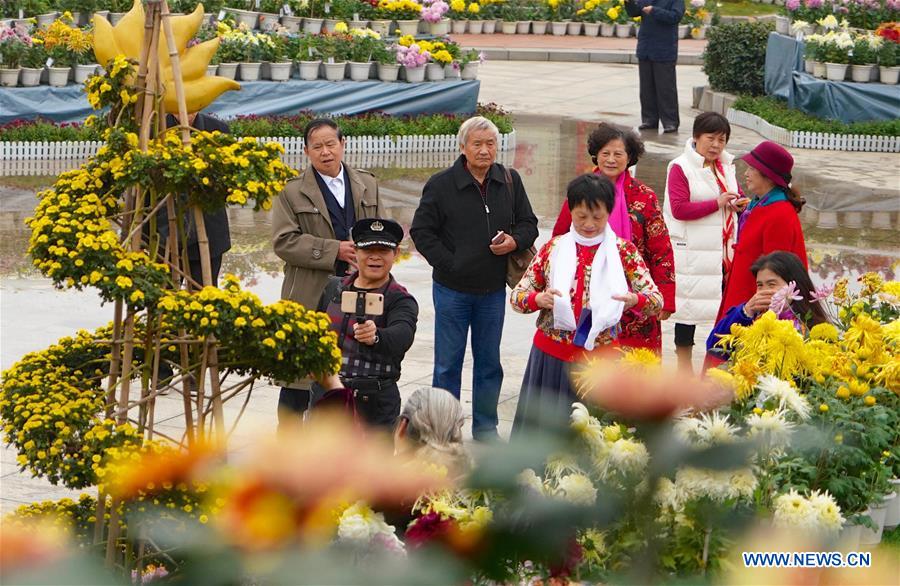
[(455, 313)]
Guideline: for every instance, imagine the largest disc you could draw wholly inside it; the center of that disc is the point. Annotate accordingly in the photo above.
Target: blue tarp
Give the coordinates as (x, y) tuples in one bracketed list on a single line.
[(835, 100), (69, 104)]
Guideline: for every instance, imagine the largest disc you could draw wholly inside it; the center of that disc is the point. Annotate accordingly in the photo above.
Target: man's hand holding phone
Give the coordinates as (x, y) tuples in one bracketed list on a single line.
[(502, 243)]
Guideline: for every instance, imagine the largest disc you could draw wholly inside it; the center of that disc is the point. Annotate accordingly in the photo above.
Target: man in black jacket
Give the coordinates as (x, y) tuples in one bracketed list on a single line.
[(470, 218)]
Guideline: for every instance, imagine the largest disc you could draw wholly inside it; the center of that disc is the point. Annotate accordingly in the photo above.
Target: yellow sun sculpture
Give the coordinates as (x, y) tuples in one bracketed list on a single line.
[(127, 38)]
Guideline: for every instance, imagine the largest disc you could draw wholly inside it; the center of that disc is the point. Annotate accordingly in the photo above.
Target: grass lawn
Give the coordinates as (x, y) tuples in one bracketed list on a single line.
[(745, 8)]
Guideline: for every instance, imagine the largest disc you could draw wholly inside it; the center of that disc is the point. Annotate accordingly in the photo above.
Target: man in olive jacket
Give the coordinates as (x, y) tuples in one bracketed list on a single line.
[(470, 218), (311, 222)]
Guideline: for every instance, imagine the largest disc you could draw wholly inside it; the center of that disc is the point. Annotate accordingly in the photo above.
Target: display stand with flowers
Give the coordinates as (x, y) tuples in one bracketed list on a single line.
[(590, 14), (15, 42), (433, 12), (364, 44)]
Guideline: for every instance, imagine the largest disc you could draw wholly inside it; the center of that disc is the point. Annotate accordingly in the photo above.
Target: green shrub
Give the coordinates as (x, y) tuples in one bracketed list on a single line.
[(777, 112), (735, 57)]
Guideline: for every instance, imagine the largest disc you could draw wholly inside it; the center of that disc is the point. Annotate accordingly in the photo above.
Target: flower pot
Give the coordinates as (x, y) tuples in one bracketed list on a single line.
[(309, 70), (329, 24), (607, 29), (539, 27), (782, 25), (291, 23), (359, 24), (808, 66), (623, 31), (849, 537), (835, 71), (414, 74), (312, 26), (458, 27), (558, 28), (434, 72), (522, 27), (508, 28), (439, 28), (476, 27), (452, 71), (490, 26), (31, 77), (360, 71), (24, 23), (684, 31), (892, 517), (211, 70), (45, 20), (591, 29), (228, 70), (388, 71), (250, 71), (382, 27), (698, 32), (82, 72), (246, 17), (268, 21), (280, 71), (9, 77), (335, 71), (861, 73), (889, 75), (408, 27), (76, 18), (115, 17), (470, 70), (573, 29), (877, 513), (819, 69), (58, 76)]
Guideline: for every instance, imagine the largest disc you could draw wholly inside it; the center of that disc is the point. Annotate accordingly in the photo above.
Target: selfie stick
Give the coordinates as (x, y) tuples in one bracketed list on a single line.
[(360, 307)]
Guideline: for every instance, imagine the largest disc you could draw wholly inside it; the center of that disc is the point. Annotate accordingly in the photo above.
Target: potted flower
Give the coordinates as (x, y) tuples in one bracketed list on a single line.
[(554, 14), (889, 52), (440, 57), (696, 16), (783, 18), (33, 61), (813, 63), (836, 47), (458, 16), (335, 50), (490, 13), (289, 15), (269, 16), (405, 12), (59, 57), (413, 61), (14, 43), (81, 45), (363, 45), (275, 56), (243, 12), (473, 15), (118, 8), (618, 17), (40, 9), (312, 17), (79, 10), (510, 14), (469, 62), (451, 71), (229, 54), (527, 15), (589, 14), (386, 58), (433, 13), (309, 56), (862, 61)]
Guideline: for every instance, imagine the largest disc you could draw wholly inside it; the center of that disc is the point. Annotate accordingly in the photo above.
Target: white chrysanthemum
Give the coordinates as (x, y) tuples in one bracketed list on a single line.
[(580, 417), (360, 523), (687, 429), (578, 489), (587, 426), (716, 485), (528, 478), (771, 425), (666, 496), (560, 464), (794, 511), (784, 393), (828, 512), (628, 456), (743, 483), (714, 429)]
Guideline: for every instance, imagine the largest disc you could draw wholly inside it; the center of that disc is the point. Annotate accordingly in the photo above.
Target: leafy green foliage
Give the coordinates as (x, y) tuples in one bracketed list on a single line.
[(777, 112), (735, 57)]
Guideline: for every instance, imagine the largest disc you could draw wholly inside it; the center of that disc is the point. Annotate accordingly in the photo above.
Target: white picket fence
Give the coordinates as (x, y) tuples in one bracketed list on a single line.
[(814, 140), (293, 145)]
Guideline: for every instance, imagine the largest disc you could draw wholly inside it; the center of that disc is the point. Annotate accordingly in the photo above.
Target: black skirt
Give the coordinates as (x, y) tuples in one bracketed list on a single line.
[(546, 397)]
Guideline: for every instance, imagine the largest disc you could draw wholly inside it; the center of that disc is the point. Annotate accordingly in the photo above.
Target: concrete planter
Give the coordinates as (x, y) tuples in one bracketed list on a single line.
[(309, 70)]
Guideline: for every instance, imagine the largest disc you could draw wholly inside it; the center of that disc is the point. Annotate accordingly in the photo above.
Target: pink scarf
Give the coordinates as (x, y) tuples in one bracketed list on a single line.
[(619, 219)]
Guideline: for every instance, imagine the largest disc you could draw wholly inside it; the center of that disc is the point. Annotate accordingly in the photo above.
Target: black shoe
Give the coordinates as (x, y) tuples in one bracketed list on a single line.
[(670, 129), (646, 126)]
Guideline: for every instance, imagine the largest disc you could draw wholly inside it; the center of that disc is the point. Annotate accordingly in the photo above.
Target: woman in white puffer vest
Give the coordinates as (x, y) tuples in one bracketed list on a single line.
[(700, 209)]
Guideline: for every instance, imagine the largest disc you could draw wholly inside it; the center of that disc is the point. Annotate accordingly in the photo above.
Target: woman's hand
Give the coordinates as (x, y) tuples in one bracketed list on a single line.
[(630, 299), (726, 199), (544, 299), (759, 303)]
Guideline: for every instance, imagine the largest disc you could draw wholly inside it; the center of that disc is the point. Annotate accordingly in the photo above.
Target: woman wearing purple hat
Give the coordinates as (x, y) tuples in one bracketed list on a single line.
[(770, 222)]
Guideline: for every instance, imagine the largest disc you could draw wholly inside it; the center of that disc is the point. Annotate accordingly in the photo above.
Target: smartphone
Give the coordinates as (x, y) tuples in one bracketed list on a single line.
[(498, 238), (374, 304)]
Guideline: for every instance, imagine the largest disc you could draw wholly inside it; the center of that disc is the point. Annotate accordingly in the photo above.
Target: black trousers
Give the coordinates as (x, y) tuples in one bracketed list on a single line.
[(379, 408), (215, 263), (659, 93)]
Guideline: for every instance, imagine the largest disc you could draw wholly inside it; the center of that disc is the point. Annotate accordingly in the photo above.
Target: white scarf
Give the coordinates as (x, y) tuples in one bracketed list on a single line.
[(607, 279)]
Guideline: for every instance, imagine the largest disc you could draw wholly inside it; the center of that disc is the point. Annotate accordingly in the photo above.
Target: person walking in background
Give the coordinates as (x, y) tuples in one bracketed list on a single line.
[(700, 210), (311, 222), (582, 283), (770, 222), (470, 218), (636, 217), (657, 52)]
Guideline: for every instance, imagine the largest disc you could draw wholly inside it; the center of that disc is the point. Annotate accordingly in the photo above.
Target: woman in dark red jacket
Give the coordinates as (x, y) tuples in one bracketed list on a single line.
[(770, 222), (639, 220)]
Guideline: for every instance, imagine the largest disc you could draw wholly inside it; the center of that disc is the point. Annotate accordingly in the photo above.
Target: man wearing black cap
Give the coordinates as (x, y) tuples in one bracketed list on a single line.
[(373, 347)]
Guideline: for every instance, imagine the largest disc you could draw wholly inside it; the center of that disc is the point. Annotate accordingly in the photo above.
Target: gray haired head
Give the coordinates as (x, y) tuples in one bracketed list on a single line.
[(476, 123)]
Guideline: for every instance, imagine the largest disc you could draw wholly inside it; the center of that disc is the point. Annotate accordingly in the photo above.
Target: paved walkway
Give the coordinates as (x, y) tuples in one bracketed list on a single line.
[(685, 46)]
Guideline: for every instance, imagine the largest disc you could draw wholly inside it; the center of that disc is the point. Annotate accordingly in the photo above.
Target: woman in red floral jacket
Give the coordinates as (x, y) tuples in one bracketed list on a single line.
[(640, 220)]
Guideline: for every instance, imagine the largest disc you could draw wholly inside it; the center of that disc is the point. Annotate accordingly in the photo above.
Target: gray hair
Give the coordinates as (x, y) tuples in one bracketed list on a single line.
[(476, 123), (436, 419)]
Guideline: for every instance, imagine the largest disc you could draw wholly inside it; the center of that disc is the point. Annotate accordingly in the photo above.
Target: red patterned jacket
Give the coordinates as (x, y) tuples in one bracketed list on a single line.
[(650, 236)]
